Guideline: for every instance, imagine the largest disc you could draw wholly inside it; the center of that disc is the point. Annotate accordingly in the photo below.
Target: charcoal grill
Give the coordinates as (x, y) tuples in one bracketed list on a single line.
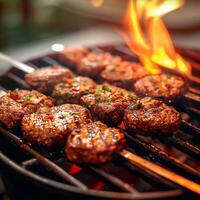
[(31, 172)]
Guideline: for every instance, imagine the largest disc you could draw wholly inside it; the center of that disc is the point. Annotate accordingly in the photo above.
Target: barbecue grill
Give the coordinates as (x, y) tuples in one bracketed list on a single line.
[(31, 172)]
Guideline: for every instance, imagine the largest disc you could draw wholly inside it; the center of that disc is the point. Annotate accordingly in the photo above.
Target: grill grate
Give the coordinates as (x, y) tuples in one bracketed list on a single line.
[(151, 149)]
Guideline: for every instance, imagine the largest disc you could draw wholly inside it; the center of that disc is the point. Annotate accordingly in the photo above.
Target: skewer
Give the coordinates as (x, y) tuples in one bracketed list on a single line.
[(27, 69), (16, 63), (163, 156), (173, 177)]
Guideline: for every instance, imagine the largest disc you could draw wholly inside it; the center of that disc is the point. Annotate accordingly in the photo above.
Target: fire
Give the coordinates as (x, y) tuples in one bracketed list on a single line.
[(148, 36)]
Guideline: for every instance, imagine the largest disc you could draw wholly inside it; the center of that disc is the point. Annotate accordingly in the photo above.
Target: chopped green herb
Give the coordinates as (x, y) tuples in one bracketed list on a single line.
[(106, 88), (86, 92), (121, 93), (85, 105), (132, 96), (62, 85), (28, 97), (150, 78), (68, 94), (56, 94), (137, 105), (97, 96)]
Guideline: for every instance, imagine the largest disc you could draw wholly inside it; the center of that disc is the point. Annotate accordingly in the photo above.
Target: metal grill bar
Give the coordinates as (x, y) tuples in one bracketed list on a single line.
[(195, 131), (114, 180), (184, 146), (110, 178), (43, 160), (163, 156), (18, 80)]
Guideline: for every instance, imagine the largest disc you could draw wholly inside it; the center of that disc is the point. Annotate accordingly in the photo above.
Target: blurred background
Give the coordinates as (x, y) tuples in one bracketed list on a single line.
[(30, 27)]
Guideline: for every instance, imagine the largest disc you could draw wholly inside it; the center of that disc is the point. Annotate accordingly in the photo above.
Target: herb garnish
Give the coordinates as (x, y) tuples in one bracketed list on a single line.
[(28, 97), (137, 105), (106, 88), (56, 94), (150, 78), (68, 94), (134, 97), (87, 92)]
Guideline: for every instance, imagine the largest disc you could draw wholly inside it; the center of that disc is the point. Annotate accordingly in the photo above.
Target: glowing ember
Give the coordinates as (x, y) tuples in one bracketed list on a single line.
[(148, 37)]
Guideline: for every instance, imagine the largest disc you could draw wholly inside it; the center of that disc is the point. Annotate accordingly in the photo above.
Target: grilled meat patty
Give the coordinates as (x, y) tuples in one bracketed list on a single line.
[(15, 104), (71, 90), (149, 116), (31, 100), (94, 63), (11, 112), (72, 55), (162, 86), (124, 74), (107, 103), (44, 79), (53, 125), (94, 143)]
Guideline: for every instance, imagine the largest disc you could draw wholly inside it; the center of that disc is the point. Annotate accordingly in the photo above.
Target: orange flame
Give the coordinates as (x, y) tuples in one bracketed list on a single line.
[(148, 37)]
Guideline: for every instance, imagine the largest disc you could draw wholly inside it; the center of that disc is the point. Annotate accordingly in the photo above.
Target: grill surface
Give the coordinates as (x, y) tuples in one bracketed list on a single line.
[(118, 179)]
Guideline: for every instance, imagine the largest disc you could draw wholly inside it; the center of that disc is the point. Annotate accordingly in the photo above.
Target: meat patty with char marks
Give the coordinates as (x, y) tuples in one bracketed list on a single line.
[(94, 63), (149, 116), (71, 90), (44, 79), (107, 103), (31, 100), (11, 112), (15, 104), (72, 55), (52, 126), (94, 143), (124, 74), (162, 86)]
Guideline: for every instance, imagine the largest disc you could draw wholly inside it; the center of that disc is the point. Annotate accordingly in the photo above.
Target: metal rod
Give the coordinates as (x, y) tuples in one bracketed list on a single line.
[(175, 178), (16, 63), (184, 146), (114, 180), (29, 163), (193, 98), (43, 160), (194, 90), (163, 156), (188, 126), (18, 80)]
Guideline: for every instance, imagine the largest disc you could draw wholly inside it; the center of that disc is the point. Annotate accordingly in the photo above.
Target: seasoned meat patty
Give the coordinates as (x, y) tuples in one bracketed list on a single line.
[(11, 112), (31, 100), (72, 55), (124, 74), (71, 90), (94, 143), (107, 103), (15, 104), (44, 79), (163, 86), (53, 125), (148, 116), (94, 63)]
